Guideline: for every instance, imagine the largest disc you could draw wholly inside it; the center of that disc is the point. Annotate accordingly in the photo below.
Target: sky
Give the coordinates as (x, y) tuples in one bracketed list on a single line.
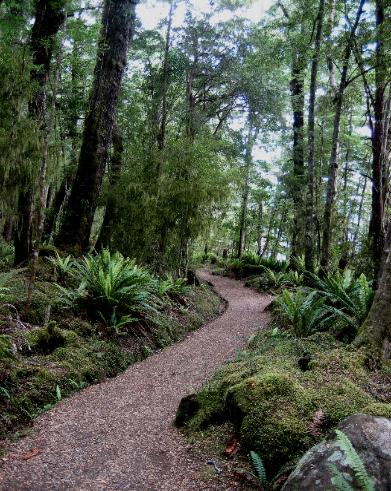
[(151, 12)]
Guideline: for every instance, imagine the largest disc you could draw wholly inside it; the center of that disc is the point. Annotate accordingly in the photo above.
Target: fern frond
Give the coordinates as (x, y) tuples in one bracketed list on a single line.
[(355, 461), (259, 467), (338, 479)]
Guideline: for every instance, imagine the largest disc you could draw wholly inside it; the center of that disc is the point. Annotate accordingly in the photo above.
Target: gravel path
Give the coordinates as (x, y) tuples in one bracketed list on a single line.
[(118, 435)]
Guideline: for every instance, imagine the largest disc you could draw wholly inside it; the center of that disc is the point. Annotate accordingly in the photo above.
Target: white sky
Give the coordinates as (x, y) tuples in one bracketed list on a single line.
[(152, 11)]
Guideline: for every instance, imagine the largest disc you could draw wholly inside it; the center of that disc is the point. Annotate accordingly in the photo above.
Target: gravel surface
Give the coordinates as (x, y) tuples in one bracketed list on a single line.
[(118, 435)]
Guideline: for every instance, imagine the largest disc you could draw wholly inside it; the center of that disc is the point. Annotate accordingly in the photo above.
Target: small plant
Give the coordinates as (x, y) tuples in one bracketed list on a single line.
[(171, 287), (6, 253), (304, 312), (5, 347), (360, 473), (112, 281), (117, 323), (348, 299), (63, 266), (259, 468), (58, 393)]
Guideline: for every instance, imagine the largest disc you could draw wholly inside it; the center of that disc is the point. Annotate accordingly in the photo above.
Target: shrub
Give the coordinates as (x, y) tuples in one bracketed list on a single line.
[(115, 282), (348, 299), (304, 312), (6, 253), (63, 266)]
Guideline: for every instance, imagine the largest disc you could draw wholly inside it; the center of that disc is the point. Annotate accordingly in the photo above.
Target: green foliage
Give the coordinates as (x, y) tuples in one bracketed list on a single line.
[(272, 402), (348, 299), (6, 253), (259, 467), (58, 393), (171, 287), (118, 323), (5, 347), (361, 474), (63, 266), (115, 282), (302, 310)]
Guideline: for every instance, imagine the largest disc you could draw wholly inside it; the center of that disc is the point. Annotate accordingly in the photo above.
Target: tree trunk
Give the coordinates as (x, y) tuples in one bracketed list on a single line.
[(330, 63), (111, 214), (269, 229), (297, 97), (279, 233), (375, 333), (309, 224), (49, 16), (359, 213), (260, 226), (334, 157), (251, 137), (376, 226), (118, 24), (165, 79)]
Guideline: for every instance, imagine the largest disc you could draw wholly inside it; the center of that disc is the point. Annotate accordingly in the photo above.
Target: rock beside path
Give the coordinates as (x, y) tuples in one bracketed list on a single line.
[(370, 437)]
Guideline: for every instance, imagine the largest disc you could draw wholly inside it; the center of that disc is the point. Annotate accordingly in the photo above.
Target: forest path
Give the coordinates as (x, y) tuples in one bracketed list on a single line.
[(118, 435)]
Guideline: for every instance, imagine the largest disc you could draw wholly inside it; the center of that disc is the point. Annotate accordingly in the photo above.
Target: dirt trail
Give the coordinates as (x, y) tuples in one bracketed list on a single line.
[(118, 435)]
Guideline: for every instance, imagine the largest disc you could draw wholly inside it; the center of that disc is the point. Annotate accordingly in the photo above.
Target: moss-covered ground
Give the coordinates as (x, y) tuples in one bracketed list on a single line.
[(58, 350), (278, 409)]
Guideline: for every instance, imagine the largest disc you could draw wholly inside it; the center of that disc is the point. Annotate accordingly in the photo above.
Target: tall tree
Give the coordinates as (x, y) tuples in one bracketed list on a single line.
[(309, 226), (117, 30), (334, 156), (375, 333), (248, 159), (49, 16), (376, 228)]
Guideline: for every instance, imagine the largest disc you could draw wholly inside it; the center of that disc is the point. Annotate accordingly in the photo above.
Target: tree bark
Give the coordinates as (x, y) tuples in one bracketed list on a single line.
[(376, 226), (334, 157), (309, 224), (375, 333), (165, 79), (49, 16), (117, 29), (251, 137), (111, 213)]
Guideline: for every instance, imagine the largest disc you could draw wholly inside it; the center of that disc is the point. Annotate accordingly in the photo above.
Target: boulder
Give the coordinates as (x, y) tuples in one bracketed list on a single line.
[(370, 437)]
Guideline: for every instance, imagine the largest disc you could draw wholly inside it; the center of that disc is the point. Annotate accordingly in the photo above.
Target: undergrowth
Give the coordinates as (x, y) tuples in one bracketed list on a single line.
[(85, 321)]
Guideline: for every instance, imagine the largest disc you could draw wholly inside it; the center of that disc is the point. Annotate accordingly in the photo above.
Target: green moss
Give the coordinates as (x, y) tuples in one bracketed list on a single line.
[(72, 353), (272, 402), (378, 409)]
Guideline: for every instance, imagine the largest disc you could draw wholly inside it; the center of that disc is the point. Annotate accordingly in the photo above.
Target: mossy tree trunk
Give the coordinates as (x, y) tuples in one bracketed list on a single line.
[(111, 211), (49, 17), (117, 29), (309, 223), (376, 226), (334, 156), (375, 333), (248, 162)]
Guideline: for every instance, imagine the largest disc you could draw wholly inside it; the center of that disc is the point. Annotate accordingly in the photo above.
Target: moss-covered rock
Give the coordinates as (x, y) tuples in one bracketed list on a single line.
[(273, 403)]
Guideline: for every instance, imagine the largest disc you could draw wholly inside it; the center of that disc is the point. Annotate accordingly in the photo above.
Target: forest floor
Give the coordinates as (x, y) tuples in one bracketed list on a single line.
[(119, 435)]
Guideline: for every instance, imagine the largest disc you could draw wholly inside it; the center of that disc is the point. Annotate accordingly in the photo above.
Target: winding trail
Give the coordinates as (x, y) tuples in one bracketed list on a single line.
[(118, 435)]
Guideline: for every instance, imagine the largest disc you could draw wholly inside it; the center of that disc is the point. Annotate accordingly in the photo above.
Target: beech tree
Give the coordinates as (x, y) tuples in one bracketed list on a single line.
[(49, 16), (117, 30)]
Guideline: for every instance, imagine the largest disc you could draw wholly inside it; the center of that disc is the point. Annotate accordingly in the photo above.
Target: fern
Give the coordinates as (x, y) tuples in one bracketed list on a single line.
[(62, 265), (338, 479), (259, 467), (303, 311), (366, 482)]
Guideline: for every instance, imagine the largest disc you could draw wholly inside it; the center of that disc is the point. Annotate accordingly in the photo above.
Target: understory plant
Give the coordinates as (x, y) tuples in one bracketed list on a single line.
[(356, 463), (339, 302), (303, 311), (113, 282)]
